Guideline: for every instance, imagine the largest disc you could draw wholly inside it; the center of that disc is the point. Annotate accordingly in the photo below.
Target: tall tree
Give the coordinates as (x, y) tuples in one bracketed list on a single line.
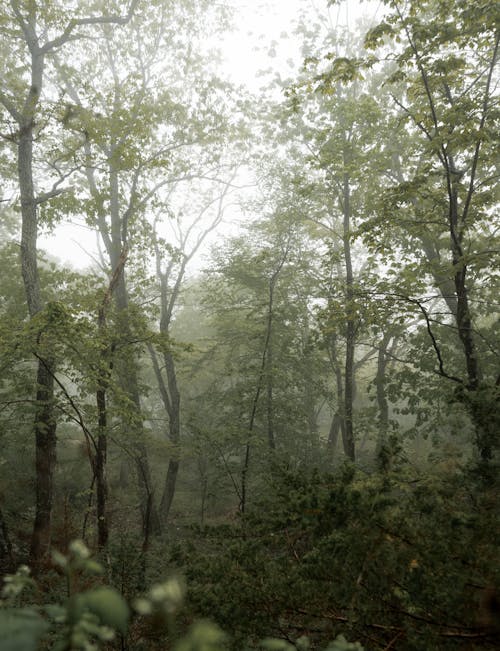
[(37, 35), (189, 229), (139, 139), (336, 131), (444, 92)]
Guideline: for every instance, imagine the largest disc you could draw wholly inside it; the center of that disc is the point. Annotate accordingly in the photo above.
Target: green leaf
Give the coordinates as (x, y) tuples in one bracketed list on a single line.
[(341, 644), (203, 636), (21, 630), (109, 606)]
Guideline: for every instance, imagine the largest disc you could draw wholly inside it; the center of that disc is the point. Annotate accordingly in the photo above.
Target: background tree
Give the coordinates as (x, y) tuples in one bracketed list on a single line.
[(138, 142)]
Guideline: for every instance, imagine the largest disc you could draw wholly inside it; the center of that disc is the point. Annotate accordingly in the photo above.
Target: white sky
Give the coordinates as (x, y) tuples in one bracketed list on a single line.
[(259, 23)]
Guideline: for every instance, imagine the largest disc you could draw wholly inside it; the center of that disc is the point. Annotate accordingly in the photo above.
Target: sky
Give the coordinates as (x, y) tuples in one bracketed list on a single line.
[(262, 39)]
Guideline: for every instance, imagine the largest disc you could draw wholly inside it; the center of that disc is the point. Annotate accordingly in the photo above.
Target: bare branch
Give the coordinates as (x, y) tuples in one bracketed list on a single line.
[(92, 20)]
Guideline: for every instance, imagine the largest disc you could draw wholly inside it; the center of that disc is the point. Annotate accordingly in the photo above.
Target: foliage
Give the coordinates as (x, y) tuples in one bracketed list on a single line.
[(404, 556), (358, 299), (91, 619)]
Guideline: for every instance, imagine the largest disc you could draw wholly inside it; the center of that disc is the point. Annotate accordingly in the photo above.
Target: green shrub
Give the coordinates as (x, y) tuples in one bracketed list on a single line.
[(92, 619)]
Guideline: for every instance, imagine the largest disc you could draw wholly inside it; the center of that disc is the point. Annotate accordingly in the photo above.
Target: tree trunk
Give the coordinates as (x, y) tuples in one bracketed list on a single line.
[(100, 468), (337, 425), (127, 375), (6, 555), (169, 390), (269, 368), (382, 403), (169, 488), (126, 368), (174, 431), (478, 410), (45, 422), (348, 433), (45, 461), (263, 367)]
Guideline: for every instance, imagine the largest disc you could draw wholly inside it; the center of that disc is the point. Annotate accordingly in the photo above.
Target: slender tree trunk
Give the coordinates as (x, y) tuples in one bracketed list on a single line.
[(169, 390), (348, 434), (174, 435), (101, 451), (480, 414), (262, 373), (102, 492), (149, 512), (382, 403), (310, 391), (169, 488), (100, 465), (334, 431), (6, 555), (463, 317), (337, 425), (269, 368)]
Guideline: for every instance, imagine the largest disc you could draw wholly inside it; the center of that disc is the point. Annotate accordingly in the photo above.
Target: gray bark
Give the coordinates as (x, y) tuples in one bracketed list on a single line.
[(45, 422)]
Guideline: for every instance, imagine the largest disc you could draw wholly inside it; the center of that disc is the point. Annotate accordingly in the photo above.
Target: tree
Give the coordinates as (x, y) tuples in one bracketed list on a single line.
[(172, 261), (269, 383), (443, 91), (37, 36), (138, 141), (335, 129)]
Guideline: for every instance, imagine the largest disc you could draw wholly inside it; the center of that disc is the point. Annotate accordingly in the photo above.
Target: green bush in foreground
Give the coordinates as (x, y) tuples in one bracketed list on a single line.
[(401, 560), (95, 618)]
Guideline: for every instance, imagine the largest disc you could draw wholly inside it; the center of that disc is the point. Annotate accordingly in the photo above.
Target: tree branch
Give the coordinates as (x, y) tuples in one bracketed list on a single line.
[(92, 20)]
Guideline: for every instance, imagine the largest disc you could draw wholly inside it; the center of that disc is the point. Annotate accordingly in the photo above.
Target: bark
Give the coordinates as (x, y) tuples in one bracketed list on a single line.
[(100, 462), (269, 367), (348, 433), (127, 375), (45, 422), (100, 469), (479, 412), (174, 435), (126, 367), (169, 389), (382, 403), (6, 555), (45, 461), (337, 425), (169, 488)]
